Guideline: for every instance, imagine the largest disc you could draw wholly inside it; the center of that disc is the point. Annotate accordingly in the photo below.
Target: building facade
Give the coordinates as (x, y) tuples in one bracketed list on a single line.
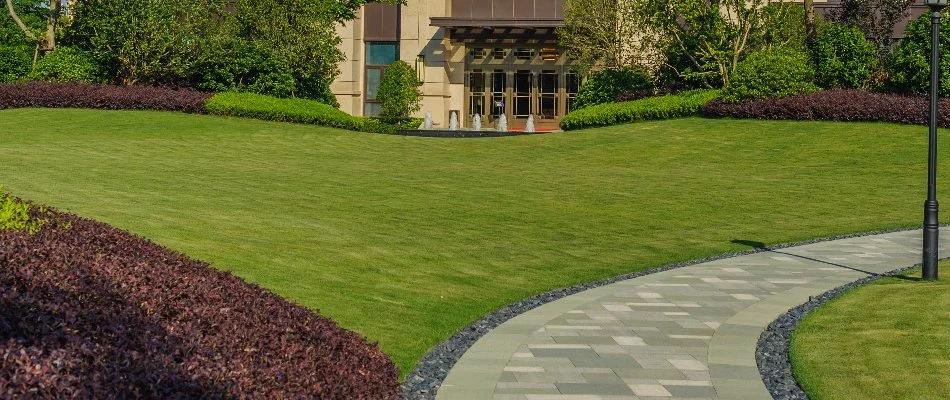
[(474, 57)]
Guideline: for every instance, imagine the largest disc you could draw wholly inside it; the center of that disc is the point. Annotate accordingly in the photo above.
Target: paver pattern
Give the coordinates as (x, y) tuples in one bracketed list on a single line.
[(687, 333)]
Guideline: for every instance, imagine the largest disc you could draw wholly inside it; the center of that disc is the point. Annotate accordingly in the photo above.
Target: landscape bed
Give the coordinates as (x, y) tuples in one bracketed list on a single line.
[(90, 311)]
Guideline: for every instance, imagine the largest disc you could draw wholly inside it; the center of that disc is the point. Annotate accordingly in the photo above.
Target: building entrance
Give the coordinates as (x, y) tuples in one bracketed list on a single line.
[(518, 82)]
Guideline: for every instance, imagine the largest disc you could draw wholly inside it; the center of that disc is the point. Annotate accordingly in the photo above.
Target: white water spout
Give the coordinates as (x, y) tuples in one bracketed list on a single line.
[(529, 127), (427, 125), (453, 121), (502, 123), (477, 122)]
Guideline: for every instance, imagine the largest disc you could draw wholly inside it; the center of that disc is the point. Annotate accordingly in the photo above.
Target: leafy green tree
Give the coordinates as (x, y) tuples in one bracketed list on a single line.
[(909, 64), (146, 41), (40, 35), (606, 85), (399, 93), (706, 39), (604, 34), (876, 18)]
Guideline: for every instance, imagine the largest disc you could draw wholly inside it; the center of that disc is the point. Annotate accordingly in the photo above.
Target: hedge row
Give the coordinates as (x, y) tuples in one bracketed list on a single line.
[(653, 108), (107, 97), (836, 105), (300, 111), (93, 312)]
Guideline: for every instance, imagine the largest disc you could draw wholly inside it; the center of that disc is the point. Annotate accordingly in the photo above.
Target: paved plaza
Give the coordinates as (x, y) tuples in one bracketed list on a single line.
[(687, 333)]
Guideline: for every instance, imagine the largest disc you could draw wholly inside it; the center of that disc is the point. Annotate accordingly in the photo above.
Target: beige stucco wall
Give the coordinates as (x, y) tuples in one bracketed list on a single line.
[(443, 89)]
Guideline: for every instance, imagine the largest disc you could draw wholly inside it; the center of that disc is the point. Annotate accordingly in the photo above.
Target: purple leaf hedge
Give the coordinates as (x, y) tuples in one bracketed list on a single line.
[(89, 311), (106, 97), (836, 105)]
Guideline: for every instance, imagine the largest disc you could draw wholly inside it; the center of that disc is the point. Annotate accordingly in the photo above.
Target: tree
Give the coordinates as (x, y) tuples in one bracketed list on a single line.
[(399, 93), (604, 34), (45, 42), (876, 18), (705, 39)]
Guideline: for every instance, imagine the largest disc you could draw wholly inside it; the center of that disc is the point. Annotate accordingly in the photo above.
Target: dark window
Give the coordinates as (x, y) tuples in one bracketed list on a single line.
[(524, 54), (477, 53), (379, 55), (523, 83), (476, 85), (548, 94), (500, 53)]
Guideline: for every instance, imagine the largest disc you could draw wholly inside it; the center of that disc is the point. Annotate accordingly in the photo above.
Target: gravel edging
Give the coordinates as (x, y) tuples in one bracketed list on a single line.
[(425, 379), (771, 352)]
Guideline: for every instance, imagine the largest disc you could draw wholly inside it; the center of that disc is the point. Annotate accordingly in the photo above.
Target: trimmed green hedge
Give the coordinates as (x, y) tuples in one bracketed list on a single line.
[(300, 111), (652, 108)]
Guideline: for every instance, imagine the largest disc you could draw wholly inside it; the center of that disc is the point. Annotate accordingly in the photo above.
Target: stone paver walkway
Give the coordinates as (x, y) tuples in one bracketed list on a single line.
[(688, 333)]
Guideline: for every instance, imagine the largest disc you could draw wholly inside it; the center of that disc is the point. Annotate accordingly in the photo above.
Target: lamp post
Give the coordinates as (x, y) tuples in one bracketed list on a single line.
[(931, 208)]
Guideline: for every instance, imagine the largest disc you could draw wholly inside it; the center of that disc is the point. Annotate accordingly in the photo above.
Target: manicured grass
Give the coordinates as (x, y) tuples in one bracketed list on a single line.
[(887, 340), (408, 239)]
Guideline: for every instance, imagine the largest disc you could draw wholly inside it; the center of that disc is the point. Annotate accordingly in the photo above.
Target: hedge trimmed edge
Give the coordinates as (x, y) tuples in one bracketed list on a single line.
[(90, 311), (680, 105), (836, 105), (105, 97)]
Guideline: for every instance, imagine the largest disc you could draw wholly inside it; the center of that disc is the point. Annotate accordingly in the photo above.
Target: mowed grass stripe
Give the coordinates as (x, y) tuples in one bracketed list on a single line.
[(408, 239)]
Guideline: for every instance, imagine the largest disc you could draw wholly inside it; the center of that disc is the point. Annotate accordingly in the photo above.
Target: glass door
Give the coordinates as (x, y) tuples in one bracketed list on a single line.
[(549, 94), (476, 98), (499, 93), (524, 83)]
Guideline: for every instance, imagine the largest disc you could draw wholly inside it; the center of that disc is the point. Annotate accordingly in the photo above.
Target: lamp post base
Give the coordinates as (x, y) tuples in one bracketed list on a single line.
[(931, 240)]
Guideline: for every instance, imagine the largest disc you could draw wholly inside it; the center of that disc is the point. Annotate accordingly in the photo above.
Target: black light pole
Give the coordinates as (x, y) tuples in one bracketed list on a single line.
[(931, 208)]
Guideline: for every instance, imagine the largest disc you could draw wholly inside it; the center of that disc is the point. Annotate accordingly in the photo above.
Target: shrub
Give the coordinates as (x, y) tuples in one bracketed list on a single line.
[(654, 108), (778, 72), (301, 111), (66, 64), (15, 215), (15, 63), (241, 66), (90, 311), (605, 86), (399, 93), (664, 89), (909, 64), (843, 57), (108, 97), (836, 105)]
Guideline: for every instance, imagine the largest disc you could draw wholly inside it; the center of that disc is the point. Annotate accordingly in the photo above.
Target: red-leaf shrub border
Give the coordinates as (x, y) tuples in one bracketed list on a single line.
[(836, 105), (107, 97), (89, 311)]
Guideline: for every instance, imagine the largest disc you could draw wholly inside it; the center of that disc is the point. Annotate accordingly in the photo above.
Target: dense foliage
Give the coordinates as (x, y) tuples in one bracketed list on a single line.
[(843, 57), (836, 105), (654, 108), (399, 93), (16, 215), (32, 13), (15, 63), (605, 86), (909, 69), (778, 72), (66, 64), (301, 111), (109, 97), (94, 312), (876, 18), (703, 40)]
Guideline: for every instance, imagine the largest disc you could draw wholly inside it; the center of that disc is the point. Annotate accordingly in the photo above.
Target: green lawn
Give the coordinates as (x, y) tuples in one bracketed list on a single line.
[(887, 340), (408, 239)]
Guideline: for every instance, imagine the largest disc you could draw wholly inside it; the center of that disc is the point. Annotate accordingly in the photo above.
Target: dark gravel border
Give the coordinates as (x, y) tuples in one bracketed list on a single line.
[(444, 133), (425, 379), (771, 352)]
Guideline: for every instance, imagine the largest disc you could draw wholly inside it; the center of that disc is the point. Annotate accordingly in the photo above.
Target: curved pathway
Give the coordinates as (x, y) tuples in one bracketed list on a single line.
[(687, 333)]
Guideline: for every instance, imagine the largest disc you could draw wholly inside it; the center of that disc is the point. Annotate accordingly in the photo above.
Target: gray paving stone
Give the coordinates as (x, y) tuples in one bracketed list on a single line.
[(687, 333)]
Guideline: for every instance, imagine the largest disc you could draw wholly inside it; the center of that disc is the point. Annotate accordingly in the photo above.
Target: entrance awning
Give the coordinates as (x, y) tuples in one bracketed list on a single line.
[(451, 22)]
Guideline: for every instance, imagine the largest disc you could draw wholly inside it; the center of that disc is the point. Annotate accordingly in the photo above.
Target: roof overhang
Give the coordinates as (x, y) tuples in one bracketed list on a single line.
[(450, 22)]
